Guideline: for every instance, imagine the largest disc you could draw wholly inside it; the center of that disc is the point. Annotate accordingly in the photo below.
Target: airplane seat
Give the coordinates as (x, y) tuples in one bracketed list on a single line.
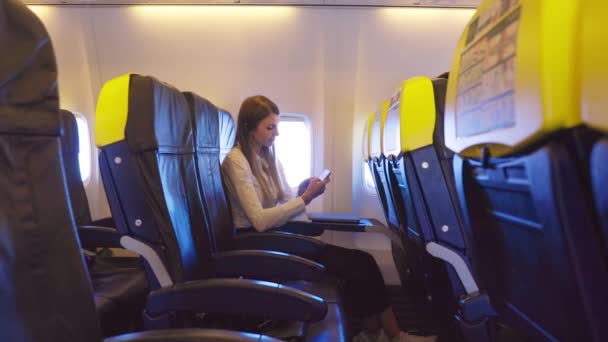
[(227, 132), (511, 108), (71, 148), (407, 261), (419, 180), (206, 119), (222, 234), (43, 298), (130, 208), (119, 283), (145, 134), (376, 164), (593, 104), (46, 295)]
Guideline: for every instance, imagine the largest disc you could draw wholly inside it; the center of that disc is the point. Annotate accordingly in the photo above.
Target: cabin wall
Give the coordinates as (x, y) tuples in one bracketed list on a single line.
[(335, 64)]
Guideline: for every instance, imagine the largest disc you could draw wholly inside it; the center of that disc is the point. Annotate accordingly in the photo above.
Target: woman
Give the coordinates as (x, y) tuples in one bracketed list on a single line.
[(261, 199)]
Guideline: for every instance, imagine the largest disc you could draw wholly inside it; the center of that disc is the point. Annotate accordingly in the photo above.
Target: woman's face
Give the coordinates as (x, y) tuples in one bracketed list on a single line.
[(266, 131)]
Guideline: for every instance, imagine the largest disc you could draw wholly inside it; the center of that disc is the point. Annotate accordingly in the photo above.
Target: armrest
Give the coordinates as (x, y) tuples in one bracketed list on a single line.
[(152, 258), (98, 237), (456, 261), (316, 228), (259, 264), (104, 222), (241, 297), (191, 335), (301, 228), (281, 242)]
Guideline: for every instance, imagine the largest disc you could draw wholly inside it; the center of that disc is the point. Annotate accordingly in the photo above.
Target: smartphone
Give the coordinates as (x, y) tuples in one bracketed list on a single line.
[(324, 174)]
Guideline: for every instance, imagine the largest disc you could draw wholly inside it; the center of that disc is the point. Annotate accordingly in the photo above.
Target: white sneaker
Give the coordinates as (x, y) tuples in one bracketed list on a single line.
[(405, 337)]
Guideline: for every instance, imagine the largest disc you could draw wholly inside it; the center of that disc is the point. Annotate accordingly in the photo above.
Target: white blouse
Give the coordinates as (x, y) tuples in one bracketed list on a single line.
[(250, 208)]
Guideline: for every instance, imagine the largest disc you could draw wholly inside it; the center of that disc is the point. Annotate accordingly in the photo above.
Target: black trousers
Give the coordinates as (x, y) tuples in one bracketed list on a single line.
[(363, 288)]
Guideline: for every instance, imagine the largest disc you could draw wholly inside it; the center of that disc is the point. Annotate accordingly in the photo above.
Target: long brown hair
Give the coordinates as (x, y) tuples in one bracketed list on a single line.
[(253, 110)]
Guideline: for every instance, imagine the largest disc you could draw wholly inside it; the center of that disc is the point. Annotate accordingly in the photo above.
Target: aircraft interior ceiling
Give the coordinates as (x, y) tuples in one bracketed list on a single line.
[(368, 3)]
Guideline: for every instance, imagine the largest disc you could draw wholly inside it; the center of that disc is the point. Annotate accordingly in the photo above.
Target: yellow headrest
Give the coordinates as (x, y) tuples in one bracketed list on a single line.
[(594, 71), (376, 130), (112, 111), (513, 78), (410, 120)]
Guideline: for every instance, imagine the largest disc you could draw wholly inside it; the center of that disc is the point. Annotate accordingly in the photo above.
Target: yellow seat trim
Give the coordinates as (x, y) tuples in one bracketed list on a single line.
[(417, 113), (112, 111), (545, 92), (594, 51)]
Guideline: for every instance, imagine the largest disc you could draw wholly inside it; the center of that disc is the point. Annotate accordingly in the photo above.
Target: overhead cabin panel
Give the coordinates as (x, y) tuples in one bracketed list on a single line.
[(366, 3)]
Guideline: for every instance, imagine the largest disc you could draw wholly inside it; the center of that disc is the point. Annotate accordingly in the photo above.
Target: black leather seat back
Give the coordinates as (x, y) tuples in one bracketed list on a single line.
[(534, 241), (150, 176), (44, 291), (159, 135), (70, 147), (599, 178), (206, 119), (377, 164)]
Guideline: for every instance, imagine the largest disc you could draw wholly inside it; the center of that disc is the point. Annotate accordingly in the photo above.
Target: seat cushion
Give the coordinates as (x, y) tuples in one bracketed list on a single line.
[(328, 289), (335, 326), (332, 328), (120, 290)]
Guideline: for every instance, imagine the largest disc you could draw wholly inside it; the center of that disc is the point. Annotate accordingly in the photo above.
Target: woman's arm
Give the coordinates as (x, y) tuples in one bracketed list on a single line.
[(238, 173), (307, 194), (287, 193)]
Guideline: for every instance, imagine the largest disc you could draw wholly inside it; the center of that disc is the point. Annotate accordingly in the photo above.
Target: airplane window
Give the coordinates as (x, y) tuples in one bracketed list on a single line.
[(293, 147), (368, 180), (84, 141)]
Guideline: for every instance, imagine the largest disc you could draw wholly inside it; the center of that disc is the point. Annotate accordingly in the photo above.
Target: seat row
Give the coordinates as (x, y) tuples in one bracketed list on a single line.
[(45, 292), (159, 159), (495, 178)]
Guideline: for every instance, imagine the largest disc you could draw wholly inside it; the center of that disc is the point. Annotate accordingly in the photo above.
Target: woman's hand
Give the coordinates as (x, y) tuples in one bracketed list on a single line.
[(303, 186), (314, 188)]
